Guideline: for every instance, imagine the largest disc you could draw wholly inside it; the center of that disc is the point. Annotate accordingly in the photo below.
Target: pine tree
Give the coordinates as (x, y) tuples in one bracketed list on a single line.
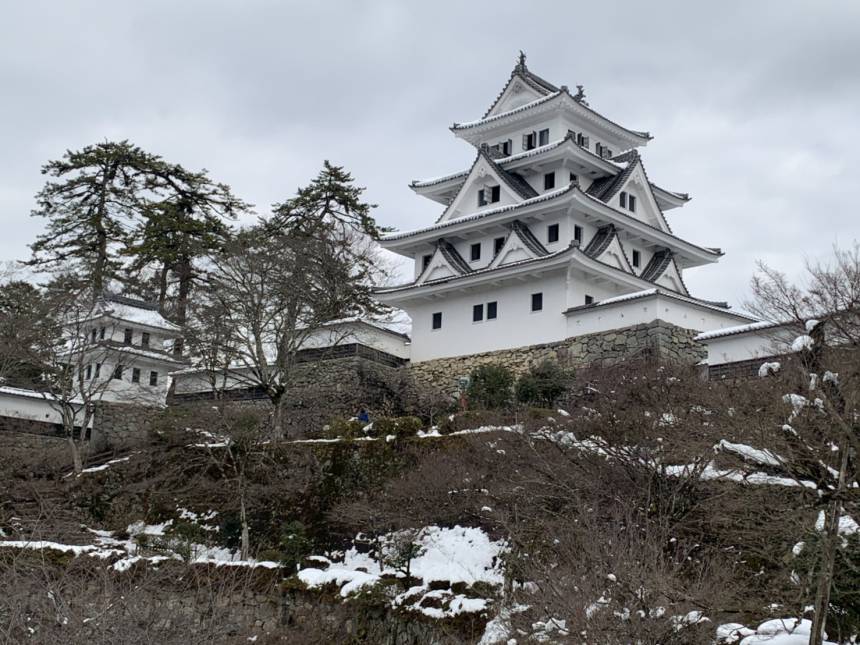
[(97, 196)]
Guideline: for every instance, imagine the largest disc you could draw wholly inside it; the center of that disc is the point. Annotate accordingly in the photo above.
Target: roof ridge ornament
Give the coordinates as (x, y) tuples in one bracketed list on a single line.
[(521, 61), (580, 95)]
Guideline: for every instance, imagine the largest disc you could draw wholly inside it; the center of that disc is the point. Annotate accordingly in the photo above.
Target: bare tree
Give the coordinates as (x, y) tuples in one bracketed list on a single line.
[(824, 432)]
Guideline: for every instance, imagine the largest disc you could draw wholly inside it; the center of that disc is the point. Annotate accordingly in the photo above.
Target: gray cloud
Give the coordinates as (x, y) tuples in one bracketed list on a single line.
[(753, 105)]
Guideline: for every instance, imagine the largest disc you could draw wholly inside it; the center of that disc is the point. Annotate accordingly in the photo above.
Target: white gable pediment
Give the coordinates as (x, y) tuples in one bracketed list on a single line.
[(671, 278), (437, 269), (516, 94), (513, 250), (647, 209), (482, 175), (615, 256)]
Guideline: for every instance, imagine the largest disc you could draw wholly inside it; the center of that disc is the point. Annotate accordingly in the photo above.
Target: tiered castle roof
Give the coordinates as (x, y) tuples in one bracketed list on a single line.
[(599, 176)]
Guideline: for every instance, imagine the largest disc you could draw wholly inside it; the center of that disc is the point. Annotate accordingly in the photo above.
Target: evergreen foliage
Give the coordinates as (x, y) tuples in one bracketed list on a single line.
[(490, 386), (542, 384)]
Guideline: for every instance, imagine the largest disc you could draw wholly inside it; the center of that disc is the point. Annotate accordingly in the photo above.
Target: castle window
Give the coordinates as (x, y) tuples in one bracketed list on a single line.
[(577, 233), (102, 333), (477, 313), (552, 233), (498, 243), (437, 320), (144, 339), (98, 370), (505, 147), (117, 372), (482, 199), (622, 199), (153, 378), (636, 258), (127, 336), (94, 335), (543, 137), (135, 375), (537, 301), (589, 299), (425, 261), (89, 372), (495, 194), (475, 252), (631, 203), (573, 178), (582, 140), (549, 181), (529, 141), (492, 310)]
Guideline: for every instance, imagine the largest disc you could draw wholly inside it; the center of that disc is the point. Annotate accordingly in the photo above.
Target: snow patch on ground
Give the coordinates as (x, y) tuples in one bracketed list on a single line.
[(455, 555)]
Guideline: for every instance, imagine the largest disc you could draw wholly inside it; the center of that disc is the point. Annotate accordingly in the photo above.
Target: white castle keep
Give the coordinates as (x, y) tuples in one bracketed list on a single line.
[(554, 232)]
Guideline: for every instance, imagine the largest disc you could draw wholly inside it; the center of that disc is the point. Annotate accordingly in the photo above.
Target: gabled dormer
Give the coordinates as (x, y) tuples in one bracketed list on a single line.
[(520, 244), (664, 271), (631, 192), (606, 247), (445, 262), (487, 186)]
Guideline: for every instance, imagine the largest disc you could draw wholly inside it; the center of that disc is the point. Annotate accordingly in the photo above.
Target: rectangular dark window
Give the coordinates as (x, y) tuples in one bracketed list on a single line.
[(495, 194), (477, 313), (475, 252), (588, 299), (492, 310), (582, 140), (543, 137), (144, 339), (482, 200), (127, 336), (505, 147), (549, 181), (153, 378), (537, 301), (98, 370), (529, 141), (622, 199), (437, 320), (102, 333), (89, 372), (498, 243), (631, 203), (577, 232), (135, 375), (425, 261), (94, 335), (636, 258), (117, 372), (573, 178), (552, 233)]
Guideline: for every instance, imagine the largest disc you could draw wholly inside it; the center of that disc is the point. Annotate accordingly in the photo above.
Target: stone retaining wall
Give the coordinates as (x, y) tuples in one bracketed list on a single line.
[(657, 340)]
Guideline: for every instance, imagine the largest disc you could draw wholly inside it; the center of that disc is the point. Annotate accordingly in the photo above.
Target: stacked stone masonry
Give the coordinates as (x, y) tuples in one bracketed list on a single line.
[(656, 340)]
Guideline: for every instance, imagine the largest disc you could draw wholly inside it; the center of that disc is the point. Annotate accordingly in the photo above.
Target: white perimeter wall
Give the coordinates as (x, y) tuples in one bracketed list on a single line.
[(742, 347), (32, 407)]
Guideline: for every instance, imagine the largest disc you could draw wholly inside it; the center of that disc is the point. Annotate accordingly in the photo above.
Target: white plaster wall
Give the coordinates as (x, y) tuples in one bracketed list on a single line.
[(742, 347), (123, 390), (646, 310), (34, 408), (515, 326), (359, 333)]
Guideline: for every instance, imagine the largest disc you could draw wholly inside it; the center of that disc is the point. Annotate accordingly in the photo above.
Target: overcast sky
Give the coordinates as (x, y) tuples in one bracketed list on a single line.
[(753, 106)]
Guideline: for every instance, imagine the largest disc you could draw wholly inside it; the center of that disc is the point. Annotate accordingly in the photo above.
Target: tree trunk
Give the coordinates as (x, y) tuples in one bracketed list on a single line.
[(830, 543), (162, 288), (243, 517), (278, 416), (76, 455), (186, 275)]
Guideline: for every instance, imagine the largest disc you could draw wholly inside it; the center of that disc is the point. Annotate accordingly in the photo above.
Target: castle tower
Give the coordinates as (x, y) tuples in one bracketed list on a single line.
[(555, 231)]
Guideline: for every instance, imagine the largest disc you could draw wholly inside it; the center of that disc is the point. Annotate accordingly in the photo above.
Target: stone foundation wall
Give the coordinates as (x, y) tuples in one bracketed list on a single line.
[(121, 425), (323, 390), (657, 340)]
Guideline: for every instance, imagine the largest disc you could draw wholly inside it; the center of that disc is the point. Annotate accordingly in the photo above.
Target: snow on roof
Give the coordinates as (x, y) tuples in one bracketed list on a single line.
[(740, 329), (377, 324), (32, 394), (502, 115), (138, 314)]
